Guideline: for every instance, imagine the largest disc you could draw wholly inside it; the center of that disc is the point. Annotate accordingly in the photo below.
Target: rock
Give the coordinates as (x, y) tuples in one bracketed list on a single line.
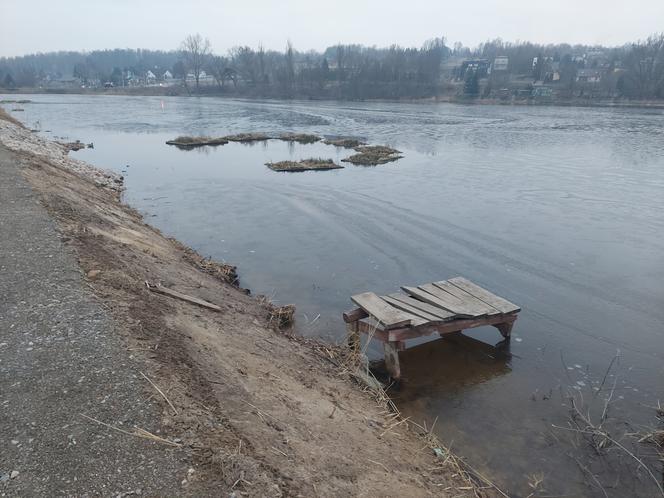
[(92, 274), (14, 474)]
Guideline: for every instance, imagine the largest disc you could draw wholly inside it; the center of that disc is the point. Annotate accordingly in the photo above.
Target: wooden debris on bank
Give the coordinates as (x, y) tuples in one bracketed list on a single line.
[(159, 289), (281, 316)]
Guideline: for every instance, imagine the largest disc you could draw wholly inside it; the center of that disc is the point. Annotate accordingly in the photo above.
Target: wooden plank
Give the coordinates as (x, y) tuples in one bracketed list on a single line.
[(460, 306), (388, 316), (409, 309), (468, 300), (501, 304), (354, 315), (402, 334), (424, 310), (178, 295), (429, 298)]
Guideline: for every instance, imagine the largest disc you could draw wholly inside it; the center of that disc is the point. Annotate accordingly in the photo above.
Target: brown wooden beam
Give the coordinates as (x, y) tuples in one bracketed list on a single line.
[(448, 327), (354, 315)]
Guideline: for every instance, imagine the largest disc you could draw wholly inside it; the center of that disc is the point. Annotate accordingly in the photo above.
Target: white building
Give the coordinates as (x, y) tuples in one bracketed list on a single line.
[(500, 63)]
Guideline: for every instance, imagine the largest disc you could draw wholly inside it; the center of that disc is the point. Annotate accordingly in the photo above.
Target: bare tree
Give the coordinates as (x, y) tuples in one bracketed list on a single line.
[(195, 51)]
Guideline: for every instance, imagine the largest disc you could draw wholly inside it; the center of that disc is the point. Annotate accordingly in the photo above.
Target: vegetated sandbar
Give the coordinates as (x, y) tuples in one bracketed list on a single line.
[(302, 138), (371, 155), (367, 155), (311, 164), (346, 143), (187, 142)]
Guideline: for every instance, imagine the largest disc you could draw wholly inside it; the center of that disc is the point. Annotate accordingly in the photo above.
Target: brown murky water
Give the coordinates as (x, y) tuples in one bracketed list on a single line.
[(559, 210)]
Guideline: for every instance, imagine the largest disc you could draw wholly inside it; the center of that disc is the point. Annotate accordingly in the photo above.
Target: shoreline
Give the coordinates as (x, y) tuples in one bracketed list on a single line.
[(302, 423), (603, 103)]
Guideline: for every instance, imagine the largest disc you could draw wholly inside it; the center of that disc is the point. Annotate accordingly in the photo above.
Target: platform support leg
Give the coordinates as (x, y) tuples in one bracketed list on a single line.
[(353, 337), (391, 350), (505, 329)]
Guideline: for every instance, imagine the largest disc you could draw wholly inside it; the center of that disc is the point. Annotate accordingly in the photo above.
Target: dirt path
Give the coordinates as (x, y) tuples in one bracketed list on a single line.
[(60, 358), (256, 413)]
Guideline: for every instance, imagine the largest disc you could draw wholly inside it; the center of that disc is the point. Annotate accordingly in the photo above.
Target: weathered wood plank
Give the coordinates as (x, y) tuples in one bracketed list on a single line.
[(387, 315), (442, 328), (190, 299), (446, 305), (409, 309), (437, 313), (501, 304), (354, 315), (468, 300), (467, 307)]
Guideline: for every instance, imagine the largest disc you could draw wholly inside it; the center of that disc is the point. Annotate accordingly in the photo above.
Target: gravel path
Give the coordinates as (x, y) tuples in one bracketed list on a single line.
[(60, 359)]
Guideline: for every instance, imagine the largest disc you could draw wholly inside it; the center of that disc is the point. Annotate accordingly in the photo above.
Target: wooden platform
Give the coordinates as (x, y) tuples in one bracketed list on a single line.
[(443, 307)]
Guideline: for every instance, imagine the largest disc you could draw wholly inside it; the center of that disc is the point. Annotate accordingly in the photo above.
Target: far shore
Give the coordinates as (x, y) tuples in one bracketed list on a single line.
[(179, 91)]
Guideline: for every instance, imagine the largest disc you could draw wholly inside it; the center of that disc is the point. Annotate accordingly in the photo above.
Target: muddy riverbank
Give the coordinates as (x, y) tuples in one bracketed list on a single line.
[(256, 411)]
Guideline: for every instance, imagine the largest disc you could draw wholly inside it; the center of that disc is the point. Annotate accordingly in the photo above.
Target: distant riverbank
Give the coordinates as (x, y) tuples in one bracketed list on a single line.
[(179, 91)]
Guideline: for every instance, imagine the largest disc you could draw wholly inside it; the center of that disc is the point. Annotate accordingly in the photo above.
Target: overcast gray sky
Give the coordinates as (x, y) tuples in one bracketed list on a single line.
[(28, 26)]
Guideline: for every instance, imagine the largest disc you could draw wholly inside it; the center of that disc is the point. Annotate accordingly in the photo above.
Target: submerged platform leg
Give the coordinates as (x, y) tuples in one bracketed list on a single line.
[(505, 328), (391, 350), (353, 336)]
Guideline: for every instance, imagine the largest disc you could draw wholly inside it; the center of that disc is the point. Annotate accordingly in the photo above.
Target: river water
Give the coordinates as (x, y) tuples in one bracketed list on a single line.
[(560, 210)]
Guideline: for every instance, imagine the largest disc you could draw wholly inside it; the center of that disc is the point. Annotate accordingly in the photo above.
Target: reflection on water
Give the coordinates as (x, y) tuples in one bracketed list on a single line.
[(447, 366), (557, 209)]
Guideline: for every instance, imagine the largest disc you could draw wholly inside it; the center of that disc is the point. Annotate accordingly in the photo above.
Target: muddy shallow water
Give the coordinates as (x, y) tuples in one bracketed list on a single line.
[(559, 210)]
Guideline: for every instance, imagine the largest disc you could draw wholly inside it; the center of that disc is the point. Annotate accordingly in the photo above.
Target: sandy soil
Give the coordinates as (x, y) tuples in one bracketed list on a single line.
[(259, 412)]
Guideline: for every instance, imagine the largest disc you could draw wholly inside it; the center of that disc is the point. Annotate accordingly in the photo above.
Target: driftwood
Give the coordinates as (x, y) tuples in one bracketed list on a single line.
[(178, 295)]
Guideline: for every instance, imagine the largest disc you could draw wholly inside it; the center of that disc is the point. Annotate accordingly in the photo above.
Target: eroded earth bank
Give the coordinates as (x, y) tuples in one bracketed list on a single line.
[(110, 389)]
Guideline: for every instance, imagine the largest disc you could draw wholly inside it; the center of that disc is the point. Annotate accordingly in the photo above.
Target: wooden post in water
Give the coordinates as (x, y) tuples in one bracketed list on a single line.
[(353, 337), (391, 350)]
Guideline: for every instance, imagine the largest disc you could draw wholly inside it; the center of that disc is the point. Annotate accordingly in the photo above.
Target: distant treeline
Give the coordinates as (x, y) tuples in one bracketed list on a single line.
[(634, 70)]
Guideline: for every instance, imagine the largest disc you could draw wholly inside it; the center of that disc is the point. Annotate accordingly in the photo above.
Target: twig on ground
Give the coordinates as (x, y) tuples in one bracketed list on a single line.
[(138, 432), (160, 392)]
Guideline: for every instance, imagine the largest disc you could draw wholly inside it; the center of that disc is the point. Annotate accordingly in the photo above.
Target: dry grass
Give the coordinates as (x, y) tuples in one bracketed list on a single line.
[(222, 271), (372, 155), (187, 142), (248, 137), (311, 164), (301, 138), (346, 143)]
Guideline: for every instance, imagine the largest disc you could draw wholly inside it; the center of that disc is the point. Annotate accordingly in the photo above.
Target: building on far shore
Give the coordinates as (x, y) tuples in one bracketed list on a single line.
[(500, 63), (588, 76)]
